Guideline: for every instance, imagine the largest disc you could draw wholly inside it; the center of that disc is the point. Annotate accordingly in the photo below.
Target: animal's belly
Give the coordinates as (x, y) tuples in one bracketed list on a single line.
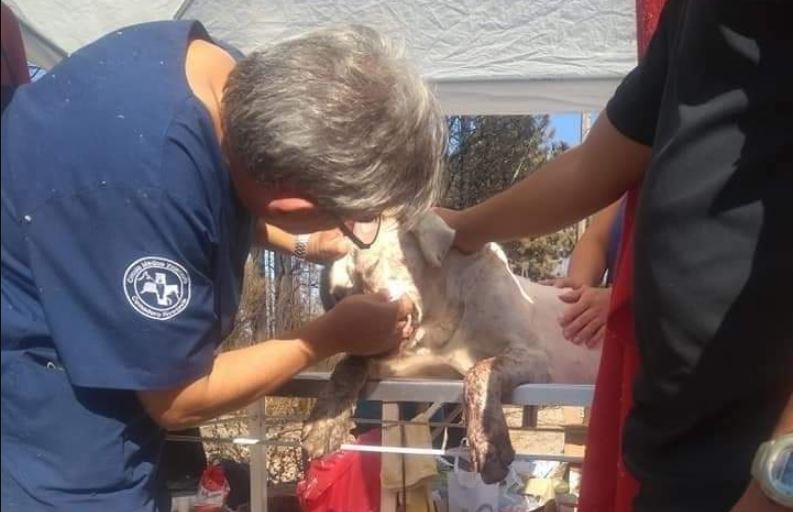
[(577, 366), (568, 363)]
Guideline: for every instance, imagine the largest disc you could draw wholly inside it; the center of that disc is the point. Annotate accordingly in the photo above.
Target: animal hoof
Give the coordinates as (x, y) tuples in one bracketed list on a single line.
[(326, 435), (492, 460)]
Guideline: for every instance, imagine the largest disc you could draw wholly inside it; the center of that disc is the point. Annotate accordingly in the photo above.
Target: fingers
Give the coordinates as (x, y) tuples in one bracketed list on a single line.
[(573, 330), (588, 331), (403, 304), (597, 339), (404, 307), (327, 246), (339, 247), (406, 329), (572, 312), (571, 296), (372, 324)]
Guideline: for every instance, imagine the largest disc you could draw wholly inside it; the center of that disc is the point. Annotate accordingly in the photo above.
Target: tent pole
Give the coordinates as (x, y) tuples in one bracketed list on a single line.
[(177, 15)]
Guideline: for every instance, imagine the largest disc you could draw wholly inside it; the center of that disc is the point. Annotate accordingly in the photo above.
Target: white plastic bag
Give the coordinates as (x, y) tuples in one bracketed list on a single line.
[(468, 493)]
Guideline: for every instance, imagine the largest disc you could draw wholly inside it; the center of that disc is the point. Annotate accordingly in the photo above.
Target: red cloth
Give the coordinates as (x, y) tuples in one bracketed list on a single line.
[(606, 484), (343, 481), (14, 65)]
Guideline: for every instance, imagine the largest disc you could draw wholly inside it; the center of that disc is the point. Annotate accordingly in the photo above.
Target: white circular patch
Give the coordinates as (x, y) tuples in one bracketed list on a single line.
[(158, 288)]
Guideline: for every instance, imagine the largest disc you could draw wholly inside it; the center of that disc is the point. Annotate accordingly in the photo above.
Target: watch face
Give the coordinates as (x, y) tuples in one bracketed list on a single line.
[(782, 472)]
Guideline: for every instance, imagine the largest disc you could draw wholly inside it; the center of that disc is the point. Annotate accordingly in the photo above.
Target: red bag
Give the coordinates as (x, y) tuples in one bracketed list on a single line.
[(212, 490), (343, 481)]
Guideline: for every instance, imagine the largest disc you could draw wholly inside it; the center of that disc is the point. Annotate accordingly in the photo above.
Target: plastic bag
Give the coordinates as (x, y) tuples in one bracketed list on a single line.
[(511, 498), (468, 493), (212, 491), (343, 481)]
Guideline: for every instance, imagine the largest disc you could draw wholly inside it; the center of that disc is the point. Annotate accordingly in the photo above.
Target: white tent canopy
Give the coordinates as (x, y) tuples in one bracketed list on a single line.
[(484, 56)]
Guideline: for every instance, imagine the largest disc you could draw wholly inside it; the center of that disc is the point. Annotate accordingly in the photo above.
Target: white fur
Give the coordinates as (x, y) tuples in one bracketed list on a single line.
[(469, 307)]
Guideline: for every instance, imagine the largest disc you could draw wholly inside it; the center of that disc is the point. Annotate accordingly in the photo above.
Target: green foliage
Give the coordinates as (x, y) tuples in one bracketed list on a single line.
[(490, 153)]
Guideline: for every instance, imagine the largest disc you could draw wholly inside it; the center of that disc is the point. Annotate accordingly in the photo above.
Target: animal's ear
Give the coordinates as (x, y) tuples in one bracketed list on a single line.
[(435, 238)]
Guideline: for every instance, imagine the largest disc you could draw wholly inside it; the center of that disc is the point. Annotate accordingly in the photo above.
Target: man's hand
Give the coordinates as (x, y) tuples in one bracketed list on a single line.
[(327, 246), (754, 500), (584, 321), (368, 324), (322, 246), (360, 324)]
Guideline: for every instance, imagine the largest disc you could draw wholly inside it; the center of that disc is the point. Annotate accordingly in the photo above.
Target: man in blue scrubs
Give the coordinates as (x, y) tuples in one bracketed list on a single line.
[(135, 175)]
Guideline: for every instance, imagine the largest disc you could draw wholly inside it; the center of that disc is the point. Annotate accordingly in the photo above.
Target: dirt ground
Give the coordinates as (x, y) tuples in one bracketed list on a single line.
[(535, 442)]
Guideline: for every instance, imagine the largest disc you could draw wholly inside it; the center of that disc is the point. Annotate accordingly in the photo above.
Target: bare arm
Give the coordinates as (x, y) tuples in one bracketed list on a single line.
[(568, 188), (785, 424), (588, 260), (237, 378), (322, 247), (274, 238), (360, 325)]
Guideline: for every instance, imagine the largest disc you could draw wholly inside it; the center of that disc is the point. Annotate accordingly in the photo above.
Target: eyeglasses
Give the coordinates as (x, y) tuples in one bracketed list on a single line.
[(362, 234)]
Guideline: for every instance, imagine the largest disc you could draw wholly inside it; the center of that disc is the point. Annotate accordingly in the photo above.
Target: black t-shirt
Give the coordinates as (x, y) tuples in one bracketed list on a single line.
[(713, 247)]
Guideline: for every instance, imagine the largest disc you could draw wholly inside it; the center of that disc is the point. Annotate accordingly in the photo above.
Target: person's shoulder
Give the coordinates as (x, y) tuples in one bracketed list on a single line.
[(192, 163)]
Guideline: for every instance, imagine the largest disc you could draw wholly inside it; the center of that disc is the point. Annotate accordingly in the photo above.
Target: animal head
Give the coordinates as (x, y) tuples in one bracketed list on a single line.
[(405, 259)]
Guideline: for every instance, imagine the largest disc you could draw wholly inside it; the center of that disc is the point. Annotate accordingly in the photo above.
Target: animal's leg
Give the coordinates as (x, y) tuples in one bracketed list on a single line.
[(486, 426), (329, 424), (421, 364)]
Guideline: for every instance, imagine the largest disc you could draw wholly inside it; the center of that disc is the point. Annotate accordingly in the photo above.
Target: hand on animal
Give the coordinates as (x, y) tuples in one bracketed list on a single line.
[(327, 246), (453, 218), (473, 318), (370, 324), (584, 320)]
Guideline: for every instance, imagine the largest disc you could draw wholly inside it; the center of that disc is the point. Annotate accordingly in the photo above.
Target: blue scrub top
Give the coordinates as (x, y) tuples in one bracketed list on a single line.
[(123, 246)]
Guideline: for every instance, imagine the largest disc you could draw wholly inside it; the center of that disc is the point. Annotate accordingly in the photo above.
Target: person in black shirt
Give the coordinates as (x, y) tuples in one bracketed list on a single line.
[(705, 122)]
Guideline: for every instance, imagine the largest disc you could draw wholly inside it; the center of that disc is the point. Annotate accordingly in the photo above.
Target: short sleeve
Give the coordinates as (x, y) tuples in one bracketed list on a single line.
[(635, 106), (124, 276)]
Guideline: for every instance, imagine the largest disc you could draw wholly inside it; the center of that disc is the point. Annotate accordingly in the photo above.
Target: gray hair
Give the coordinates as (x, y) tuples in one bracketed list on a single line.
[(339, 115)]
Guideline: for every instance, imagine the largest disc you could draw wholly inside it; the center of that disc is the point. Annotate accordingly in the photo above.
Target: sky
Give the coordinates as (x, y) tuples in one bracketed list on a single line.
[(567, 127)]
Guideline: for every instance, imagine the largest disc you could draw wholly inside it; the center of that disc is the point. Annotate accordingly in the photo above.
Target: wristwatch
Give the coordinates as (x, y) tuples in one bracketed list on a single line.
[(773, 469), (301, 245)]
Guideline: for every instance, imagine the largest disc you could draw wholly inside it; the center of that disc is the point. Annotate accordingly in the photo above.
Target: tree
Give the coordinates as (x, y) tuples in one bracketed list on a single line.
[(488, 154)]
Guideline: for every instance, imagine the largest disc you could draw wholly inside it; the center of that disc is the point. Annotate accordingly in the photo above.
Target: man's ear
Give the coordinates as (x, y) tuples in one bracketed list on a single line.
[(435, 238), (281, 205)]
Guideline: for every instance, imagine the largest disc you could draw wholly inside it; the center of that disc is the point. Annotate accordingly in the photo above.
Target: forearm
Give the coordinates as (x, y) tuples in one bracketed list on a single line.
[(785, 423), (589, 259), (568, 188), (274, 238), (587, 264), (237, 378)]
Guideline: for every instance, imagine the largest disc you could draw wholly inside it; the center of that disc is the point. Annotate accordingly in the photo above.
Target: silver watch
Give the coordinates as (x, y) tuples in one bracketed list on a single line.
[(773, 469), (301, 245)]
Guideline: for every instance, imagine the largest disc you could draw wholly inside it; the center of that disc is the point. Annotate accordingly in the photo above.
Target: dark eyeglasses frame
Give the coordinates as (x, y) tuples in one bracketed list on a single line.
[(360, 244)]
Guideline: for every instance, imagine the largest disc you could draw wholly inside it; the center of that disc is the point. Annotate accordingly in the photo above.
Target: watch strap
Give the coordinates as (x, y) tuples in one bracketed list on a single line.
[(301, 245)]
